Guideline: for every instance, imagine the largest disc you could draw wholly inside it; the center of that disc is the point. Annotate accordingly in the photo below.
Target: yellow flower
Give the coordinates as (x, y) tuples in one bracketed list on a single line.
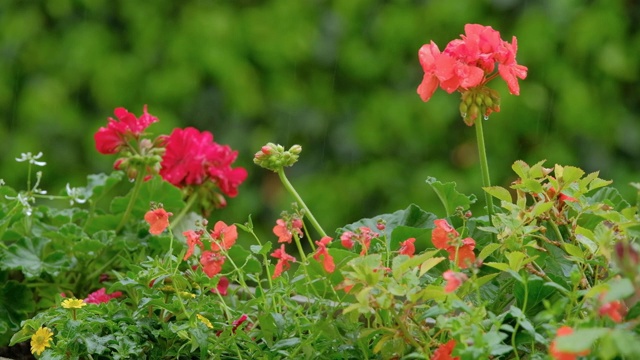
[(73, 303), (40, 340), (204, 321), (186, 295)]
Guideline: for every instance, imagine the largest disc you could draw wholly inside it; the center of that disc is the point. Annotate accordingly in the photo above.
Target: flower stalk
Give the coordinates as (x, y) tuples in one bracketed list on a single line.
[(484, 167)]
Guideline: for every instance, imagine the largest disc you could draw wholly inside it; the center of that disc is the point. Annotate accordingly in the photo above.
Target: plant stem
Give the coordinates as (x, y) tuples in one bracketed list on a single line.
[(300, 202), (484, 168), (134, 195), (190, 201)]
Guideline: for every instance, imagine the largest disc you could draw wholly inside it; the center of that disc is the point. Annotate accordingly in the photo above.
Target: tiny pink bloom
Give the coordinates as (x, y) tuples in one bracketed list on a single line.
[(454, 280), (346, 239), (100, 296), (158, 219)]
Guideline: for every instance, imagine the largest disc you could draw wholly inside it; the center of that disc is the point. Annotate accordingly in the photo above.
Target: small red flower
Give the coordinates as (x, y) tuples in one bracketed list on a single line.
[(100, 296), (346, 239), (445, 237), (111, 139), (322, 252), (454, 280), (239, 321), (444, 351), (224, 236), (158, 219), (614, 310), (222, 287), (212, 262), (563, 355), (192, 239), (407, 247), (443, 234), (284, 230), (283, 261)]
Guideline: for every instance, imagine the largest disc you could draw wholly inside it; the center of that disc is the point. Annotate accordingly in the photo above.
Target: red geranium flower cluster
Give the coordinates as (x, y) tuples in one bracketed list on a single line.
[(445, 237), (192, 158), (565, 355), (116, 135)]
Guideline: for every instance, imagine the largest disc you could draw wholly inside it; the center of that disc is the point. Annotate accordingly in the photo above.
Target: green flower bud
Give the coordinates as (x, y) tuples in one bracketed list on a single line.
[(274, 157)]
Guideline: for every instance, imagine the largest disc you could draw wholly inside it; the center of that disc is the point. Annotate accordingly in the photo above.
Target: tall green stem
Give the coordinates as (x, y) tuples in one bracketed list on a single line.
[(294, 193), (134, 195), (190, 201), (484, 167)]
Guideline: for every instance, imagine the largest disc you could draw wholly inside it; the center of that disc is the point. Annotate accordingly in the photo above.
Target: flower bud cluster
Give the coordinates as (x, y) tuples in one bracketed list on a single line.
[(275, 157), (478, 101)]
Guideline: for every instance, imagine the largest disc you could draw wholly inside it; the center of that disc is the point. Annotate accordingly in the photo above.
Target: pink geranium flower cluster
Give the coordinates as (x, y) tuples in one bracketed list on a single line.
[(118, 133), (192, 158), (470, 62)]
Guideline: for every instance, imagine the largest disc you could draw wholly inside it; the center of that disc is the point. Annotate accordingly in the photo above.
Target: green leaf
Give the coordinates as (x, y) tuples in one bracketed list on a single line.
[(497, 265), (449, 196), (488, 250), (574, 251), (16, 304), (26, 255), (429, 264), (500, 193), (521, 168), (540, 208), (155, 190), (580, 340), (412, 216), (99, 184), (569, 173), (618, 290), (243, 259)]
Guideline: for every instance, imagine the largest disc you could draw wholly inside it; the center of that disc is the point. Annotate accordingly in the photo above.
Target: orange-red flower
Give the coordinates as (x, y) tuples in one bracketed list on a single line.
[(322, 252), (223, 236), (564, 355), (407, 247), (212, 262), (192, 239), (283, 261), (284, 230), (614, 310), (363, 236), (158, 219), (445, 237), (454, 280), (444, 351)]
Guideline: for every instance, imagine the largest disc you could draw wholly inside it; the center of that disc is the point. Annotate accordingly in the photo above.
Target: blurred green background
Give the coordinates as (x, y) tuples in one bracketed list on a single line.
[(337, 77)]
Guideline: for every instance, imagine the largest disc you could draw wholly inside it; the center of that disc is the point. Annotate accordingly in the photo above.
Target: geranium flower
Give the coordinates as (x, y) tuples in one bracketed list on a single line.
[(40, 340), (100, 296), (158, 219), (192, 158), (443, 234), (283, 263), (427, 55), (565, 355), (111, 139), (615, 310), (224, 236), (444, 351), (192, 238), (322, 252), (284, 230), (454, 280), (346, 239), (407, 247), (212, 262)]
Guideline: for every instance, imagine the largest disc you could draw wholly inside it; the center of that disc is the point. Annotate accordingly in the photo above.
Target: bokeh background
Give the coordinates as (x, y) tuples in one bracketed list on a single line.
[(337, 77)]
